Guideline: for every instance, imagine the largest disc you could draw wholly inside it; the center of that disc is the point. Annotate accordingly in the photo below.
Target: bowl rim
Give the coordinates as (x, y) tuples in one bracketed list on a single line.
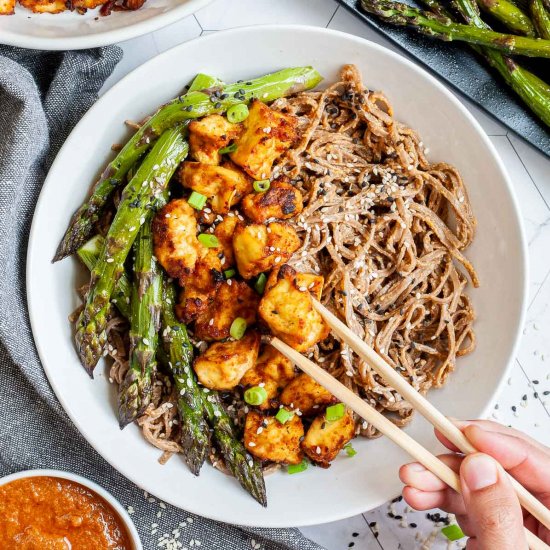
[(105, 38), (100, 491), (456, 101)]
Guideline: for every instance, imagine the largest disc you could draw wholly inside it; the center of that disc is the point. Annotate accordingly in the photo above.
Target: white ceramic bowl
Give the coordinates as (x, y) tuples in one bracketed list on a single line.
[(98, 490), (72, 31), (351, 485)]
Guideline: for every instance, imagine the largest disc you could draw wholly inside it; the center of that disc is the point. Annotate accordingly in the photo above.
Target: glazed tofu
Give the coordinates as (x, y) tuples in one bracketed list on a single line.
[(289, 312), (281, 201), (224, 185), (199, 287), (304, 394), (309, 282), (210, 134), (232, 300), (7, 7), (267, 135), (223, 364), (175, 238), (224, 231), (258, 247), (324, 440), (273, 370), (276, 442)]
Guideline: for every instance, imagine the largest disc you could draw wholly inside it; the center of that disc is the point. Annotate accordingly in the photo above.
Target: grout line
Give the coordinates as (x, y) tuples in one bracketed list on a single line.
[(332, 16), (538, 291), (532, 387), (372, 531), (198, 22), (528, 173)]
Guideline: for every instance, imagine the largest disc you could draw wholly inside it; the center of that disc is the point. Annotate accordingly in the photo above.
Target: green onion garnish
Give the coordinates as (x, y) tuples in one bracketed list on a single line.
[(228, 273), (335, 412), (350, 451), (228, 149), (255, 395), (238, 328), (297, 468), (259, 285), (196, 200), (237, 113), (283, 416), (261, 186), (453, 532), (210, 241)]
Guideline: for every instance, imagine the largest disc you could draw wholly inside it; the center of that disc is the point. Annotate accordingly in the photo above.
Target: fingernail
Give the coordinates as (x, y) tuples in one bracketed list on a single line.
[(416, 467), (479, 471)]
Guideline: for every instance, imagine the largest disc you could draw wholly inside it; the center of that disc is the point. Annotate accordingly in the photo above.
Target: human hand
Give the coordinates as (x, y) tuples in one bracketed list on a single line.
[(488, 510)]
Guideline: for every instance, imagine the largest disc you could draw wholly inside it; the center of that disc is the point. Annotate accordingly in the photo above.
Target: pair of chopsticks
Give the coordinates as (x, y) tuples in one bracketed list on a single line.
[(420, 403)]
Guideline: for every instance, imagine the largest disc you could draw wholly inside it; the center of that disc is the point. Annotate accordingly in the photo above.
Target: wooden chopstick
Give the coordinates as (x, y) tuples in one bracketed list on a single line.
[(385, 426), (422, 405)]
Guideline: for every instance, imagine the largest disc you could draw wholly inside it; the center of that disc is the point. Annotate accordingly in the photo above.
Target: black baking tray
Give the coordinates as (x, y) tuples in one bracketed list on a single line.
[(458, 66)]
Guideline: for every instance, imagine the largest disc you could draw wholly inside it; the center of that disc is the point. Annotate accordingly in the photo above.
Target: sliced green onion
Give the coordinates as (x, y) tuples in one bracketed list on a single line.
[(453, 532), (259, 285), (297, 468), (335, 412), (350, 451), (228, 149), (237, 113), (255, 395), (196, 200), (238, 328), (210, 241), (283, 416), (261, 186), (228, 273)]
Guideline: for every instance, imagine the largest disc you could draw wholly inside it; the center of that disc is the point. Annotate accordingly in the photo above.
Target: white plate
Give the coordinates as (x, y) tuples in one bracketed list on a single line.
[(71, 31), (351, 485)]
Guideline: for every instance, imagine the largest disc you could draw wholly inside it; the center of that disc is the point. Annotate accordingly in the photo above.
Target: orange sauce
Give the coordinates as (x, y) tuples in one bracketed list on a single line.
[(49, 513)]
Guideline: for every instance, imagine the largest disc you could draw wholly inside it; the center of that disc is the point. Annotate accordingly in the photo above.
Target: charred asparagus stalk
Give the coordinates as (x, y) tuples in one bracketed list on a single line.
[(509, 15), (243, 466), (139, 198), (189, 106), (195, 432), (134, 393), (445, 29), (541, 18)]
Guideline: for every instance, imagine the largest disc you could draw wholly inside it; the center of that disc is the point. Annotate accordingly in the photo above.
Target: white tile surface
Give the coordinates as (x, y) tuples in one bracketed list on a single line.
[(530, 174)]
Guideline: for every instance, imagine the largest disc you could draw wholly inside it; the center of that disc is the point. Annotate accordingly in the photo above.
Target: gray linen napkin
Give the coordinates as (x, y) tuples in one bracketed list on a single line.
[(42, 96)]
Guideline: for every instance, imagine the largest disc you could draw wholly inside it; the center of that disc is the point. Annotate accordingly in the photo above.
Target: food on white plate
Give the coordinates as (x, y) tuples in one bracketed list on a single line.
[(7, 7)]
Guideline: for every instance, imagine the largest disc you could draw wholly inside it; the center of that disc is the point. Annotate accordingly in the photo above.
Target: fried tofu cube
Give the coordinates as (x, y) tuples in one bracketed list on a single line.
[(92, 4), (289, 312), (224, 231), (175, 238), (7, 7), (281, 201), (44, 6), (306, 395), (210, 134), (267, 135), (223, 364), (324, 439), (273, 370), (258, 247), (276, 442), (199, 287), (232, 299), (224, 185), (310, 282)]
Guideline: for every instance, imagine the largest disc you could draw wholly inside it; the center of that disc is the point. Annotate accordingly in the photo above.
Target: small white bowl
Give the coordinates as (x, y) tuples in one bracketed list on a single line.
[(110, 499)]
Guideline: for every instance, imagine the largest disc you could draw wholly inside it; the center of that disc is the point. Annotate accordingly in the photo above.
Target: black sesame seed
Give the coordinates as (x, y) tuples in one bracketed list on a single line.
[(514, 408), (249, 83), (189, 108), (546, 392), (398, 517), (355, 534), (372, 524), (535, 381), (536, 395), (413, 525), (351, 545), (218, 105), (524, 397)]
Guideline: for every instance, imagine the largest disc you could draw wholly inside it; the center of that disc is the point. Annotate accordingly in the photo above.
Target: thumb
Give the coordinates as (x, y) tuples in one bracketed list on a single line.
[(491, 504)]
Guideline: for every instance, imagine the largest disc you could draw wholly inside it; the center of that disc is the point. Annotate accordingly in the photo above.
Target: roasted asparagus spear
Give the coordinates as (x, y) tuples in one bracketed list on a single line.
[(510, 15), (191, 105), (541, 18)]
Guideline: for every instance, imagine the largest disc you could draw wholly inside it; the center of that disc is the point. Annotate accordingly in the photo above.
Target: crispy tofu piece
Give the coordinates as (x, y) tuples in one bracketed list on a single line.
[(309, 282), (267, 135), (44, 6), (200, 286), (7, 7), (276, 442), (258, 247), (274, 371), (324, 440), (304, 394), (175, 239), (281, 201), (210, 134), (224, 185), (224, 231), (289, 312), (223, 364), (231, 301), (92, 4)]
